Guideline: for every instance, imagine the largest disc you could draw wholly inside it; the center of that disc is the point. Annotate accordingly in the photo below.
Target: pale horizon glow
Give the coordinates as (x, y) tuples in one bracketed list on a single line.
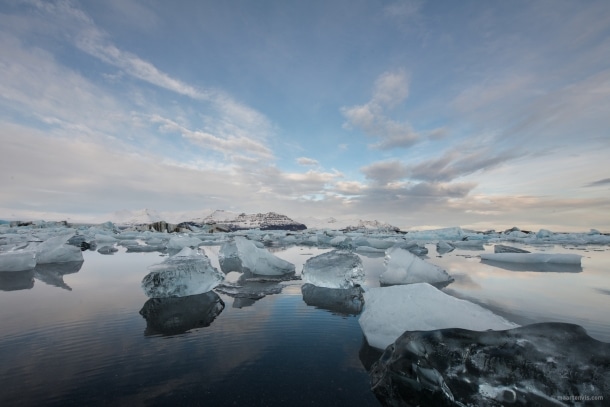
[(422, 114)]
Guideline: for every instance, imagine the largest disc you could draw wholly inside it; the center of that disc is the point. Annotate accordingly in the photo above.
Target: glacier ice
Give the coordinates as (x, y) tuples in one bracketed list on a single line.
[(443, 247), (500, 248), (342, 301), (107, 250), (17, 260), (334, 269), (180, 242), (172, 316), (552, 258), (390, 311), (403, 267), (243, 256), (188, 272), (531, 365), (56, 250)]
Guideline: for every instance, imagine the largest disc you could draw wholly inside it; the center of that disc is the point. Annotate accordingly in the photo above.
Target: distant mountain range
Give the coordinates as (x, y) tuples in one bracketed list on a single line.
[(241, 221)]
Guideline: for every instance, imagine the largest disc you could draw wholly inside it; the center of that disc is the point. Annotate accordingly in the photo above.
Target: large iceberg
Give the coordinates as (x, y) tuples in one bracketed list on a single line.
[(171, 316), (403, 267), (243, 256), (390, 311), (334, 269), (56, 250), (535, 365), (188, 272)]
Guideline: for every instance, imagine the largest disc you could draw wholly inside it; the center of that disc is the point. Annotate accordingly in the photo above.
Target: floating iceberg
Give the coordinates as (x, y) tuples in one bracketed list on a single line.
[(247, 291), (552, 258), (57, 250), (188, 272), (172, 316), (107, 250), (403, 267), (536, 364), (17, 260), (243, 256), (390, 311), (443, 247), (180, 242), (348, 301), (334, 269)]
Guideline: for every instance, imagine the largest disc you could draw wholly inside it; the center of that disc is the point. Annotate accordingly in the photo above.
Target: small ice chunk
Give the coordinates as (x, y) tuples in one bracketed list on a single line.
[(188, 272), (443, 247), (18, 260), (552, 258), (57, 250), (334, 269), (500, 248), (390, 311), (243, 256), (107, 250), (403, 267)]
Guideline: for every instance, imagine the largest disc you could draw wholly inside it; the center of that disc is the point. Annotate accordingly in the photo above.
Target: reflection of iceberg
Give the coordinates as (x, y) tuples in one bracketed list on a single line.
[(247, 290), (348, 301), (542, 267), (53, 273), (531, 365), (171, 316), (17, 280), (553, 262)]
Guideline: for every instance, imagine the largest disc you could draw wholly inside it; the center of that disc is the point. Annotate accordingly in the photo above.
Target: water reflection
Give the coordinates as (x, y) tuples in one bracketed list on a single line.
[(16, 280), (53, 273), (536, 267), (172, 316), (340, 301)]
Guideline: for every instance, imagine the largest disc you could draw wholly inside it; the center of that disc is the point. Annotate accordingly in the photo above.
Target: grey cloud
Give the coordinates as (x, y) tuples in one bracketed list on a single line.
[(383, 172), (598, 183), (306, 161)]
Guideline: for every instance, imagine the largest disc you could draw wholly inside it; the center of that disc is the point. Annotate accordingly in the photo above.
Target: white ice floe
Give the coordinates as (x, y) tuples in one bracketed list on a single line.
[(552, 258), (188, 272), (18, 260), (242, 255), (180, 242), (403, 267), (56, 250), (334, 269), (390, 311)]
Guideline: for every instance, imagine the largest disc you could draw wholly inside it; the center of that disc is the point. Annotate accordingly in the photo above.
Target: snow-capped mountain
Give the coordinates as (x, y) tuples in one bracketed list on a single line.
[(347, 224), (263, 221)]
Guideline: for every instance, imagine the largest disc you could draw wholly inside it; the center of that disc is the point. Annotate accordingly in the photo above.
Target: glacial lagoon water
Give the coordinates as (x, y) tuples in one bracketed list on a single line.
[(75, 335)]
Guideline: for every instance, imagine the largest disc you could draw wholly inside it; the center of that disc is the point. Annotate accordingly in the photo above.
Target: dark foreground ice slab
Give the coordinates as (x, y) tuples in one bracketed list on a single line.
[(548, 364), (176, 315)]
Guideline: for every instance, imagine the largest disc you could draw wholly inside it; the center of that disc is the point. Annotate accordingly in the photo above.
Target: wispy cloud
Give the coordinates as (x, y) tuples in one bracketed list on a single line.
[(307, 162), (599, 183), (391, 89)]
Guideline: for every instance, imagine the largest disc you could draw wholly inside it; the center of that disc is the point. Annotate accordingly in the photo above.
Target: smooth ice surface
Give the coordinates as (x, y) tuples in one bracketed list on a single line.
[(537, 364), (554, 258), (242, 255), (403, 267), (188, 272), (334, 269), (56, 250), (390, 311), (18, 260)]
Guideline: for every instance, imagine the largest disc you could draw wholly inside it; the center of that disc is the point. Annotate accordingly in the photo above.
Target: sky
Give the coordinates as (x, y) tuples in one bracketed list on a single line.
[(481, 114)]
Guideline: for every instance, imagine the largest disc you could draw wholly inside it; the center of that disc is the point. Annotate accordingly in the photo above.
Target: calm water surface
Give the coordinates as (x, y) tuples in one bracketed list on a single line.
[(76, 337)]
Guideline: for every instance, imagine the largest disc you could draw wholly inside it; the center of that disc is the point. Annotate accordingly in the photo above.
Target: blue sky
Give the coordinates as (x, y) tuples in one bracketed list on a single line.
[(418, 113)]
